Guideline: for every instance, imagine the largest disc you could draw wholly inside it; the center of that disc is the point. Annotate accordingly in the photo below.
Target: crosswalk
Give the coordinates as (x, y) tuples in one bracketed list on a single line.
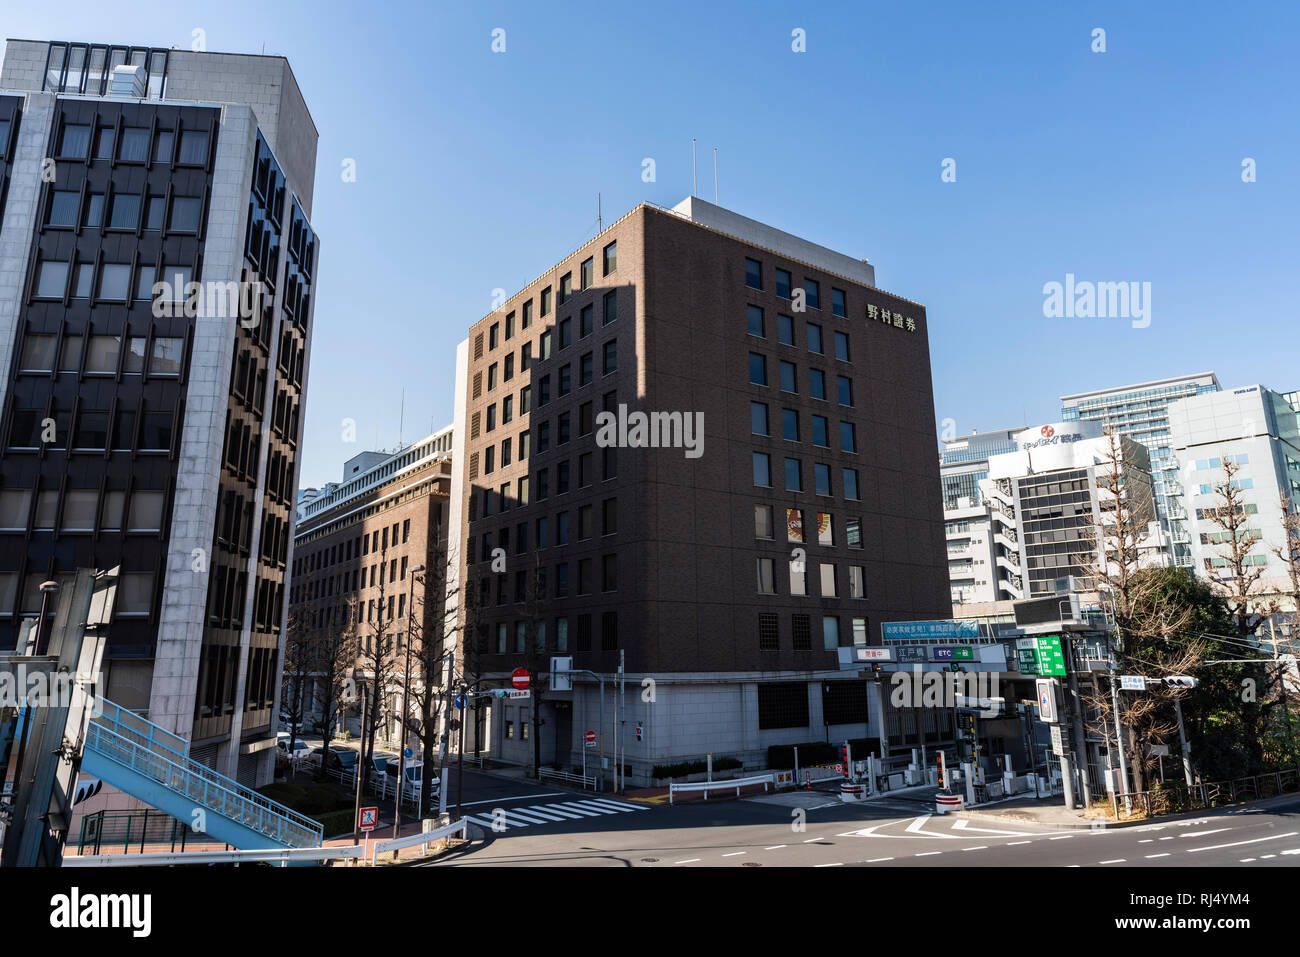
[(503, 818)]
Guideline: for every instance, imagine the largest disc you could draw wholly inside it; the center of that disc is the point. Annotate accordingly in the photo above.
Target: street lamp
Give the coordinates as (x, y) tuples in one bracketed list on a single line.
[(406, 701), (48, 588)]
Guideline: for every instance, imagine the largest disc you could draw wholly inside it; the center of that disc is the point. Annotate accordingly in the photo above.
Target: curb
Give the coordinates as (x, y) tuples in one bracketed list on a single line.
[(1102, 824)]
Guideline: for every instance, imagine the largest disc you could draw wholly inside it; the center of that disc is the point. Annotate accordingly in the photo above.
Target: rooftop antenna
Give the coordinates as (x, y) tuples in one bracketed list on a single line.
[(694, 185), (599, 221), (715, 176)]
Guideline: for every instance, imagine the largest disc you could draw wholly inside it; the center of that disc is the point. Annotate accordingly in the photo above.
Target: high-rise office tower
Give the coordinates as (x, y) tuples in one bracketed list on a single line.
[(157, 271), (1141, 412), (707, 446)]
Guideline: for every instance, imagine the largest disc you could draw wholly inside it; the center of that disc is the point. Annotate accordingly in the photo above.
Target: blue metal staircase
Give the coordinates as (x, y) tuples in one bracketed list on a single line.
[(152, 764)]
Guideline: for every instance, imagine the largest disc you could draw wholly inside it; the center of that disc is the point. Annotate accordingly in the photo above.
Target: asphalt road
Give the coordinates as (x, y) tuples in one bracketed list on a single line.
[(897, 832)]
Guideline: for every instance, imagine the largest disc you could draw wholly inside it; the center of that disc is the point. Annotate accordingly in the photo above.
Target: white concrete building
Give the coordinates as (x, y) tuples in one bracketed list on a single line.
[(1258, 429)]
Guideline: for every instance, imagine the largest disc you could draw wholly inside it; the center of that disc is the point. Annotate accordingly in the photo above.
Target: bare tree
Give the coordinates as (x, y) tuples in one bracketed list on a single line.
[(375, 652), (1236, 542), (1289, 554)]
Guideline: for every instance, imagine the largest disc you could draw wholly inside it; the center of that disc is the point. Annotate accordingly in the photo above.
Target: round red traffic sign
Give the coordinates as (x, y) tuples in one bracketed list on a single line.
[(591, 737), (519, 678)]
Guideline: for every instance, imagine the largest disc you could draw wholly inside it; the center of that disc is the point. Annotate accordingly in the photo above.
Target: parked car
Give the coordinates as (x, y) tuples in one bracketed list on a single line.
[(414, 776), (379, 762), (339, 760), (300, 748)]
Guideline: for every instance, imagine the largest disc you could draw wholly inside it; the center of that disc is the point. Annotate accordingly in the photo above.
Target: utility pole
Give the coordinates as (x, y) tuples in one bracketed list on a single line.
[(325, 753), (406, 701), (1182, 739), (445, 736), (1119, 739)]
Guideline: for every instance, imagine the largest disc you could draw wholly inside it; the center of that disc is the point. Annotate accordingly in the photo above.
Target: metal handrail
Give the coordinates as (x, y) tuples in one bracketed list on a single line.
[(206, 787)]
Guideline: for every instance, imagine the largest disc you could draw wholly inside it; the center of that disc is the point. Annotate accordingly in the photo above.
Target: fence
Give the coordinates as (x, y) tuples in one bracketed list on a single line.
[(1172, 800), (583, 781), (422, 840), (283, 857), (734, 784), (131, 829)]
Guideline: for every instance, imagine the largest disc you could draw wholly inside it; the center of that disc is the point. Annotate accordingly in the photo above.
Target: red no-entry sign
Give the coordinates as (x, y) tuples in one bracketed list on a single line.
[(591, 737), (519, 678)]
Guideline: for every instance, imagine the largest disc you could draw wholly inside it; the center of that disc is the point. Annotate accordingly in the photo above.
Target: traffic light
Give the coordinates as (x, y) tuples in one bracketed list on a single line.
[(844, 758), (639, 731), (1181, 681), (877, 669)]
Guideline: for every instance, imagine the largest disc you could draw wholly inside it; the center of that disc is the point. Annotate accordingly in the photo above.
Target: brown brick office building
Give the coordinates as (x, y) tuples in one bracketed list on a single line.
[(817, 451), (356, 548)]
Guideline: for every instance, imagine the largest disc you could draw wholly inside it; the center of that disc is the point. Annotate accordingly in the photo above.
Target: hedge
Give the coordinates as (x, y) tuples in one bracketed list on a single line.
[(682, 768)]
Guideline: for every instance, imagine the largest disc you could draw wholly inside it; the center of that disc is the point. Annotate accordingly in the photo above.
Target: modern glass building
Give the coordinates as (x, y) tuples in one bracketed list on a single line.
[(1141, 412)]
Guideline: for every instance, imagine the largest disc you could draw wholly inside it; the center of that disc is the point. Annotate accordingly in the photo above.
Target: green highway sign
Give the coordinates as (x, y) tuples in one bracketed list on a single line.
[(1028, 661), (1049, 657)]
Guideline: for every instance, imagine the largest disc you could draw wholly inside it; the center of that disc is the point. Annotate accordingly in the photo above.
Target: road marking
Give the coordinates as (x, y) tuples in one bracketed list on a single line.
[(963, 825), (1215, 847), (877, 860), (734, 854), (814, 840), (1294, 850), (1014, 843), (1145, 840), (689, 860), (1118, 860), (599, 803), (917, 824), (828, 865), (927, 854), (555, 809), (585, 811), (1203, 833), (982, 847), (1066, 837), (1246, 860), (531, 816), (1166, 854), (775, 847)]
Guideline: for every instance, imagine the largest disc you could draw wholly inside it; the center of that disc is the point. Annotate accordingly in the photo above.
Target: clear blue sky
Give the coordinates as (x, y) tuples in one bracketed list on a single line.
[(479, 170)]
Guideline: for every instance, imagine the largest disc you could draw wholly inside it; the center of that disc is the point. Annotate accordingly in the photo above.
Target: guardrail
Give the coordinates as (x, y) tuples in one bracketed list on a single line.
[(284, 857), (1172, 800), (423, 839), (582, 781), (734, 783)]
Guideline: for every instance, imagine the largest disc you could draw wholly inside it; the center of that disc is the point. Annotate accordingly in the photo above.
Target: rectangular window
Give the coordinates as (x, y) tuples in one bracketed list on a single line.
[(754, 318), (850, 477), (793, 525), (838, 304), (853, 532), (124, 213), (848, 437), (585, 321), (609, 573), (611, 357), (821, 436), (763, 522), (611, 306), (185, 214), (789, 377), (194, 148), (762, 470), (813, 293), (586, 273), (74, 142), (825, 529), (790, 425), (610, 257), (783, 283), (566, 333), (527, 319), (757, 368), (827, 575), (785, 330), (845, 390), (801, 632), (798, 578), (114, 282), (768, 635), (793, 476), (830, 632), (546, 301), (758, 418), (609, 516), (494, 335), (822, 474), (63, 208), (566, 289), (857, 582), (51, 279), (753, 274), (782, 704), (817, 384), (815, 338), (766, 576), (842, 346)]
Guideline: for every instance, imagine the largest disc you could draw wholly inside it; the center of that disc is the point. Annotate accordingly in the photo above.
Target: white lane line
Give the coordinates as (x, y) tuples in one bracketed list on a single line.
[(814, 840), (828, 865), (689, 860), (1068, 836), (734, 854), (927, 854), (1264, 857), (1172, 836), (877, 860), (775, 847), (1215, 847), (1014, 843), (1203, 833), (1145, 840), (1166, 854), (1246, 860), (1117, 860), (918, 823), (1294, 850), (982, 847)]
